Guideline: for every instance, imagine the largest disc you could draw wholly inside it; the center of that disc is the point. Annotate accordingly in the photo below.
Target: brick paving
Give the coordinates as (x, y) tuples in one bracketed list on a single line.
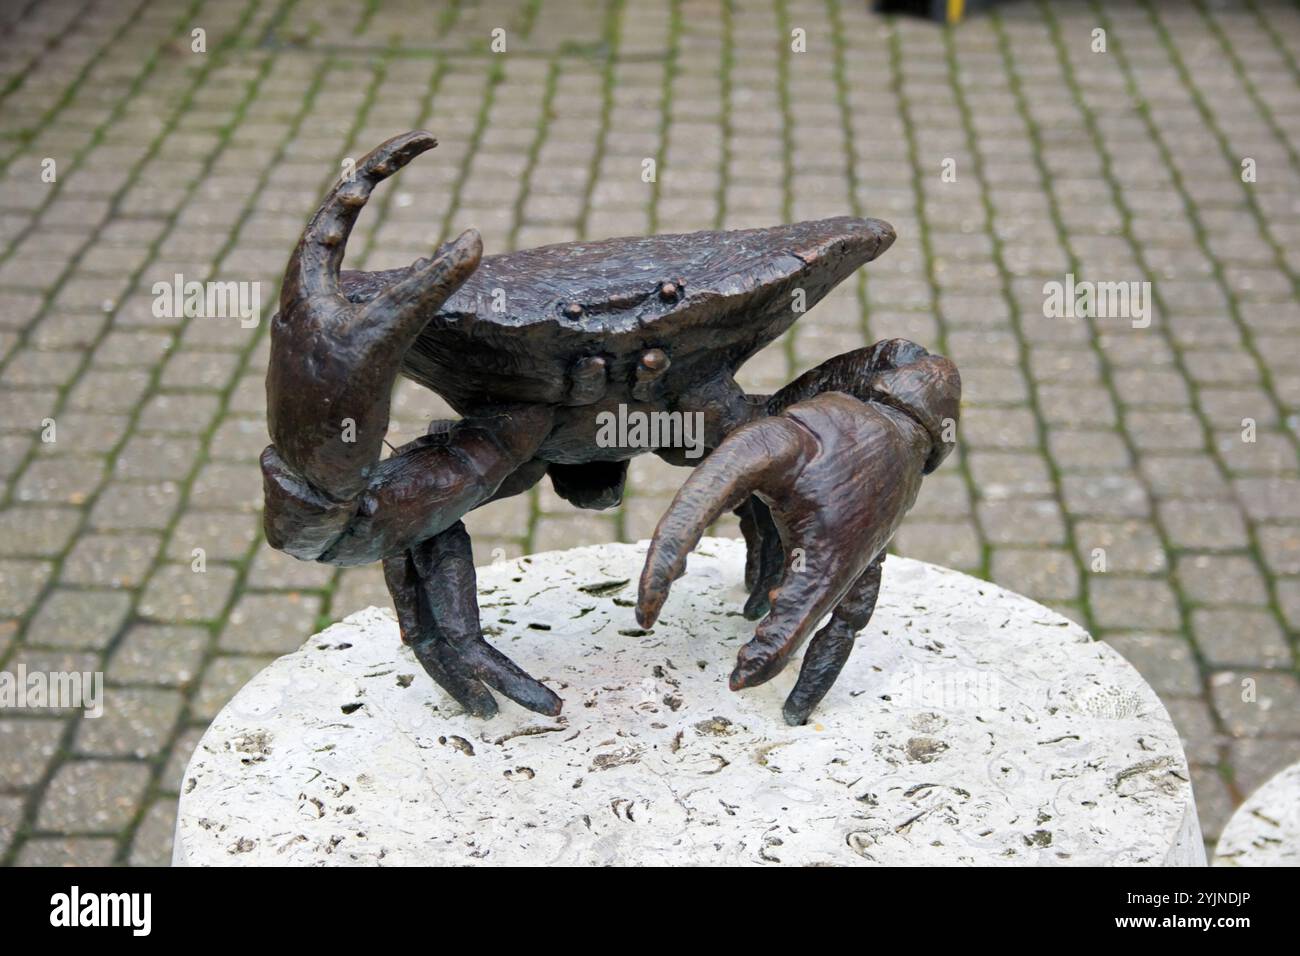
[(1103, 468)]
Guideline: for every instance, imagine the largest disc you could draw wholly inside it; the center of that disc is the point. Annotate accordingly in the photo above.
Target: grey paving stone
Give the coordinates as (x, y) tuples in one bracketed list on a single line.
[(1254, 760), (1165, 660), (1115, 495), (93, 796), (1000, 475), (221, 485), (80, 618), (1280, 545), (1270, 499), (152, 845), (60, 481), (1214, 802), (274, 623), (1288, 599), (1125, 603), (1210, 525), (109, 390), (220, 536), (223, 677), (20, 583), (1257, 703), (274, 569), (11, 815), (131, 506), (362, 587), (159, 654), (1025, 522), (137, 722), (84, 434), (158, 457), (1240, 637), (183, 413), (1046, 574), (1123, 546), (58, 662), (1085, 450), (109, 560), (176, 592), (1216, 579), (27, 745), (1183, 476), (952, 544), (68, 851), (239, 439), (1195, 725)]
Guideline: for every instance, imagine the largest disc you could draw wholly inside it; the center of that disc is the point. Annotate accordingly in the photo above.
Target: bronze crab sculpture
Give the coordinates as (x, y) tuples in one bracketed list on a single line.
[(530, 348)]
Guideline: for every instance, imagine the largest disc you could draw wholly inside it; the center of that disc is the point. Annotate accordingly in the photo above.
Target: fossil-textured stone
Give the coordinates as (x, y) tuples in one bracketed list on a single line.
[(971, 725), (1265, 830)]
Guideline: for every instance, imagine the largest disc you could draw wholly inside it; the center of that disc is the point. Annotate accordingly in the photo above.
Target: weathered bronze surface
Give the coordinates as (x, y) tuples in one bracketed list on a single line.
[(535, 350)]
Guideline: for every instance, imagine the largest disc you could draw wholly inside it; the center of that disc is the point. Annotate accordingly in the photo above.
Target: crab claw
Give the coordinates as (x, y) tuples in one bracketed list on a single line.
[(838, 473), (334, 361)]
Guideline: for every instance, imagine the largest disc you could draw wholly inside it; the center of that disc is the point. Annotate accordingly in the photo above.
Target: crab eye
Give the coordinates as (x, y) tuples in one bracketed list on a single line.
[(572, 310), (670, 291), (655, 361)]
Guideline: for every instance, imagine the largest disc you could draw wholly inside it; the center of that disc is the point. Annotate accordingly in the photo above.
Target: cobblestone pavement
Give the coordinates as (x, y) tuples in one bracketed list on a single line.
[(1006, 152)]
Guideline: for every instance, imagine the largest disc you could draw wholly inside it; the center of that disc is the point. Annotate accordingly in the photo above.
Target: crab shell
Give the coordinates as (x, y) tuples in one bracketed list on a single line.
[(575, 323)]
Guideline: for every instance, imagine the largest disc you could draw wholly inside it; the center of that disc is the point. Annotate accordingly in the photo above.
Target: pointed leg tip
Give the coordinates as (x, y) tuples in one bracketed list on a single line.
[(795, 718), (755, 667), (548, 704), (483, 709), (646, 615)]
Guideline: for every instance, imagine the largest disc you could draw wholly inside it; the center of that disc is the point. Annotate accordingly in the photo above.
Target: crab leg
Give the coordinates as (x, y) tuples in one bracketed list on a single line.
[(420, 632), (433, 586), (829, 649), (764, 557), (445, 566)]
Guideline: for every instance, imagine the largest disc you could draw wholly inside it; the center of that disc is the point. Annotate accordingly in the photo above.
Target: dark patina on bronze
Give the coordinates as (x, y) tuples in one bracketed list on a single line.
[(530, 348)]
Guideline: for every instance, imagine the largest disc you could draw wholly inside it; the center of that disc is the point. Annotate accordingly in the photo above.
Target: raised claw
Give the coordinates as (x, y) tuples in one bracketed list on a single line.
[(313, 271), (434, 590), (334, 362), (838, 474)]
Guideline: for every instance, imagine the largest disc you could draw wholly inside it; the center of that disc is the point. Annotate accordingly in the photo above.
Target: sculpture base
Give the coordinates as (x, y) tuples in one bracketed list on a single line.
[(970, 726)]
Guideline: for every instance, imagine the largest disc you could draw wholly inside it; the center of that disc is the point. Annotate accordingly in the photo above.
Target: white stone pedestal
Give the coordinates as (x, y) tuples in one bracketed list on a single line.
[(1265, 830), (971, 726)]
